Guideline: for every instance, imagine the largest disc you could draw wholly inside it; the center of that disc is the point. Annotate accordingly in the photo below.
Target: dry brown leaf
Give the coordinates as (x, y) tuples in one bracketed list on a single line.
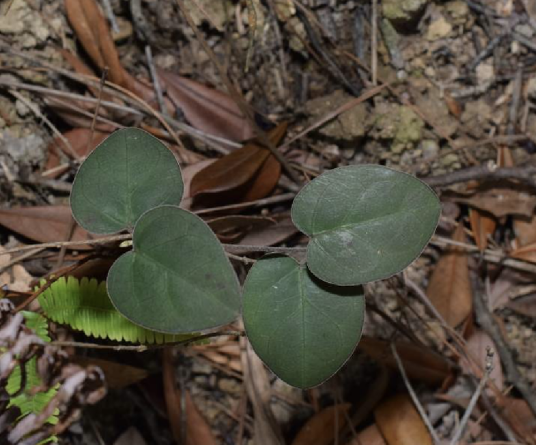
[(197, 429), (118, 375), (130, 437), (44, 224), (233, 227), (238, 176), (400, 423), (500, 200), (419, 363), (524, 304), (525, 253), (270, 234), (206, 108), (483, 226), (453, 105), (525, 230), (449, 289), (369, 436), (92, 29), (231, 171), (264, 181), (324, 426), (78, 138), (266, 429)]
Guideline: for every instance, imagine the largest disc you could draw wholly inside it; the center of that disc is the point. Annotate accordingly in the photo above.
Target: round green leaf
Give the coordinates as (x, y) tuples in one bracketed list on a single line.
[(178, 278), (128, 174), (302, 328), (366, 222)]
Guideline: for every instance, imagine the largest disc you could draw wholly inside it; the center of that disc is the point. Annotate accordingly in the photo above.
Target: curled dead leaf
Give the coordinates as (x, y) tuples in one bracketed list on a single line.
[(450, 289)]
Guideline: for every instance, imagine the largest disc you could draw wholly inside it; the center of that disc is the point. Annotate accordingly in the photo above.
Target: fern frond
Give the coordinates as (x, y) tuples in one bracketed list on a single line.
[(85, 306), (27, 402)]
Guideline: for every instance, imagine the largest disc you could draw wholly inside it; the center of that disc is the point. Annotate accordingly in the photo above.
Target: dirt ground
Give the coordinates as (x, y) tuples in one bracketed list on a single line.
[(443, 90)]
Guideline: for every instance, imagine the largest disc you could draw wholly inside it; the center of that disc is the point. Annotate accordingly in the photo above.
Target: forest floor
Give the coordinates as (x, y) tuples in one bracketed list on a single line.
[(443, 90)]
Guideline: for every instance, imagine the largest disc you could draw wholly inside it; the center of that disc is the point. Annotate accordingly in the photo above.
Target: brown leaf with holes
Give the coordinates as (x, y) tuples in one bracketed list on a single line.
[(400, 423), (44, 224), (449, 289), (324, 426), (419, 363), (483, 226), (207, 109), (240, 171)]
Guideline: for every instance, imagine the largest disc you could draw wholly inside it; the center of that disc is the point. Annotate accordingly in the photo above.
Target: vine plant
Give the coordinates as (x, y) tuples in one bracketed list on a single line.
[(304, 319)]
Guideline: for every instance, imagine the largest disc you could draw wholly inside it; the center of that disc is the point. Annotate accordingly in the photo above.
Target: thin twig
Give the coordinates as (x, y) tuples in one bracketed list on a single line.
[(59, 244), (142, 348), (374, 43), (111, 16), (97, 108), (414, 397), (269, 249), (476, 395)]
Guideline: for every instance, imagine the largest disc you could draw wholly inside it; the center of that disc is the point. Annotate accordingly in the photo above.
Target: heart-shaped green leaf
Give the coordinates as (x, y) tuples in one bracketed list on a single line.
[(302, 328), (129, 173), (178, 278), (366, 222)]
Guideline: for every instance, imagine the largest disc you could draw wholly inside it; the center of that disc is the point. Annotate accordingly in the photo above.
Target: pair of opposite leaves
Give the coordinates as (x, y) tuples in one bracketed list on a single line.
[(365, 223)]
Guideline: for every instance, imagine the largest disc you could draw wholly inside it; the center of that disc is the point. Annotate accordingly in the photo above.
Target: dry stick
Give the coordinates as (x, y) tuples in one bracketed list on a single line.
[(40, 115), (514, 105), (257, 203), (141, 348), (111, 16), (59, 244), (253, 22), (242, 104), (97, 108), (374, 43), (20, 258), (156, 81), (50, 281), (476, 395), (526, 174), (414, 397), (489, 325)]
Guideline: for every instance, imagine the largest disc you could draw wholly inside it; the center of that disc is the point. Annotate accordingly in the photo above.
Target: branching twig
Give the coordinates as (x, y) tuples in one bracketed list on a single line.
[(489, 325), (476, 395)]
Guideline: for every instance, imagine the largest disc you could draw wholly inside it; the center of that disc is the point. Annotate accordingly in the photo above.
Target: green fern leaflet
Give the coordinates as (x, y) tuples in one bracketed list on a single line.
[(85, 306)]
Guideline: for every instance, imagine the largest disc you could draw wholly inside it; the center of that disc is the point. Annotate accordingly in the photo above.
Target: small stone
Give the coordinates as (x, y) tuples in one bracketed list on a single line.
[(404, 14), (430, 149), (438, 29), (458, 10), (229, 386), (531, 87), (449, 160)]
